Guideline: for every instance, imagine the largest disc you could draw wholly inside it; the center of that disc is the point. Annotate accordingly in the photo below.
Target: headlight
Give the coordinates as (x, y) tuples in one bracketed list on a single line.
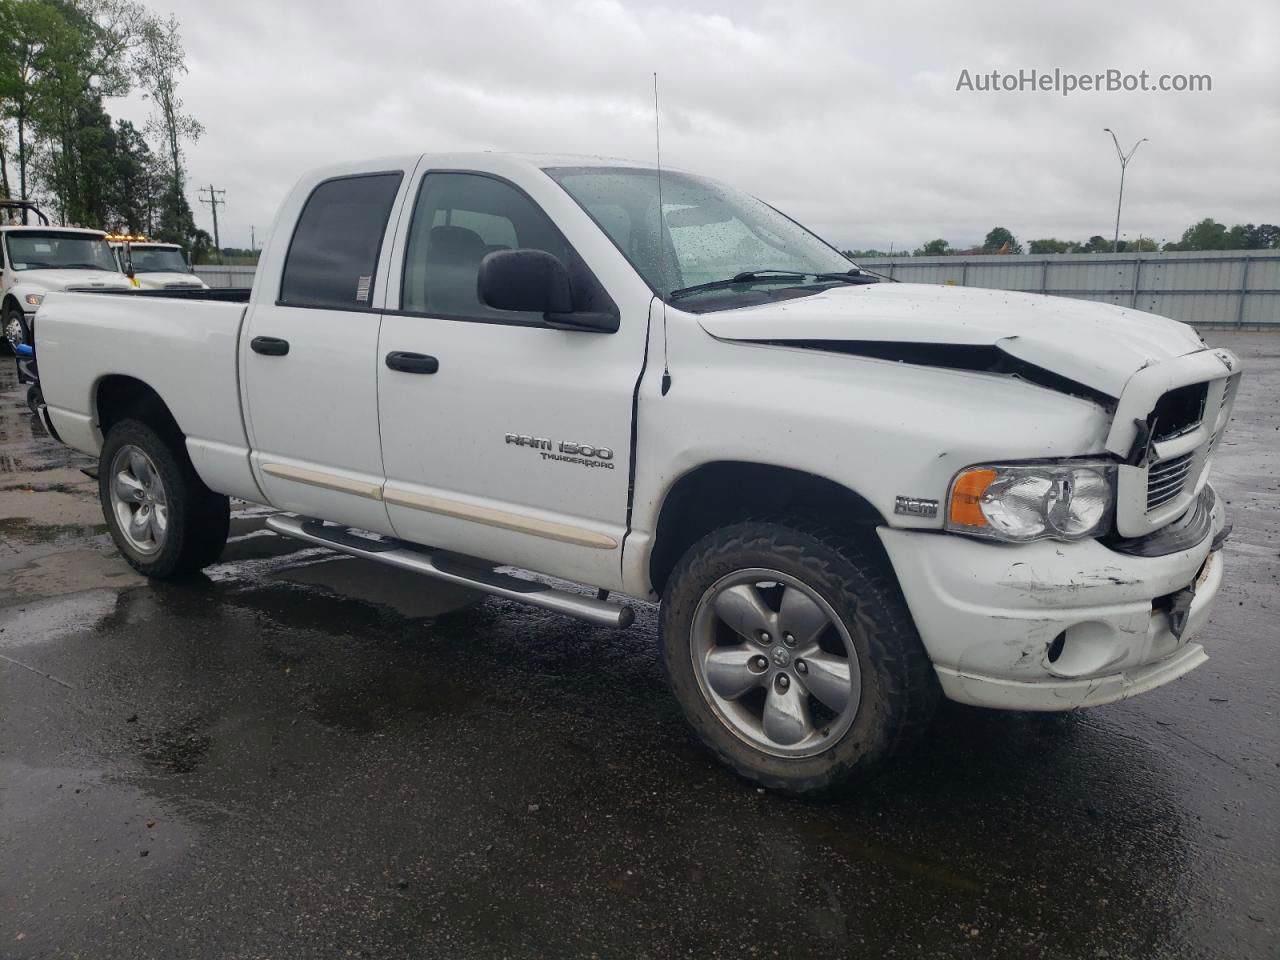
[(35, 299), (1063, 500)]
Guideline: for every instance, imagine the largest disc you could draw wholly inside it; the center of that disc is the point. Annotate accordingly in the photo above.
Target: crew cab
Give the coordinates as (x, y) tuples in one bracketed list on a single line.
[(153, 265), (850, 497)]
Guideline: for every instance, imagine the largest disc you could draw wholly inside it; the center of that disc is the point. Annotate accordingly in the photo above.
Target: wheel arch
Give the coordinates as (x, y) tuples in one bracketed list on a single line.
[(119, 397), (721, 492)]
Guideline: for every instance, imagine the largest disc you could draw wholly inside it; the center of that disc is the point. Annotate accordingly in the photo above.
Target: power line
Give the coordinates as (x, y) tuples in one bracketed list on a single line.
[(213, 201)]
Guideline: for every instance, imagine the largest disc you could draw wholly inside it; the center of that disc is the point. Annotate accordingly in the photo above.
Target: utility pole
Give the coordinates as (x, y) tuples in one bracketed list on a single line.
[(253, 240), (1124, 162), (214, 200)]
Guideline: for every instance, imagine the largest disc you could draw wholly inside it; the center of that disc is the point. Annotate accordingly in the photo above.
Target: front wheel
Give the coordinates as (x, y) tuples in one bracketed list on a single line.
[(15, 329), (793, 655), (164, 520)]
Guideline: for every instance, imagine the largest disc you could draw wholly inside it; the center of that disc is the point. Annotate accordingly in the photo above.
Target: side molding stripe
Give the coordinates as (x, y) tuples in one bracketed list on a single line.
[(447, 508), (329, 481), (500, 518)]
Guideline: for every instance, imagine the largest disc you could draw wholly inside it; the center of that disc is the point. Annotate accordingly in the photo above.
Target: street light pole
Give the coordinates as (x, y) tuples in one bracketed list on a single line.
[(1124, 162)]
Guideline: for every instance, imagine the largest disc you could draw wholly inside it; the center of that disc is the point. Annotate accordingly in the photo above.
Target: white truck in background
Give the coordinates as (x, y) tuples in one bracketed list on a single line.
[(37, 259), (154, 265), (850, 497)]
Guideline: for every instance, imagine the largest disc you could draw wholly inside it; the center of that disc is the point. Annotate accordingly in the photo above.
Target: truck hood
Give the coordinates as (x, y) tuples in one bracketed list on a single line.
[(158, 281), (51, 280), (1094, 344)]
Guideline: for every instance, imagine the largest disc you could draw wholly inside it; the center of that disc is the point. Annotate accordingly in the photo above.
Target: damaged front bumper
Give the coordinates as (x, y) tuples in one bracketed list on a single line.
[(1056, 626)]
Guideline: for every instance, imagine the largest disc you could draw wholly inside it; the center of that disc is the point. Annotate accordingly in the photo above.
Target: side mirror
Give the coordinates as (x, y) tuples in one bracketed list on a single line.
[(535, 281), (528, 280)]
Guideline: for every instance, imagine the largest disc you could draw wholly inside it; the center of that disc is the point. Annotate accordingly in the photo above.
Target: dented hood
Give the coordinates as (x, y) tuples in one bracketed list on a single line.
[(1095, 344)]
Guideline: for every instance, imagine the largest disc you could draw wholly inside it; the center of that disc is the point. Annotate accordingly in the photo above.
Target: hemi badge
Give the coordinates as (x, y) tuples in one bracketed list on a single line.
[(916, 507)]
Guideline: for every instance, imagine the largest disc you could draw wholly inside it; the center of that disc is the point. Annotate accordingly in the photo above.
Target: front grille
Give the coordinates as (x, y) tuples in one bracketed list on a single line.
[(1179, 411), (1166, 479)]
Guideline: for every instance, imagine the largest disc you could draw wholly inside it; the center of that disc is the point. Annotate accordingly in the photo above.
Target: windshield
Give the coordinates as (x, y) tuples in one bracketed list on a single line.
[(710, 232), (33, 250), (157, 260)]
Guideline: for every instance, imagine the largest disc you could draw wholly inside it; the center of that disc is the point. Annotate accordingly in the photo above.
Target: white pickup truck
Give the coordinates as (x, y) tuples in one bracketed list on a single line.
[(850, 497)]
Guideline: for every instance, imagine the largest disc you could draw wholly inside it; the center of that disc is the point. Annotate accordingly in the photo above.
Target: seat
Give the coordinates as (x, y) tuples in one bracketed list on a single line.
[(450, 269)]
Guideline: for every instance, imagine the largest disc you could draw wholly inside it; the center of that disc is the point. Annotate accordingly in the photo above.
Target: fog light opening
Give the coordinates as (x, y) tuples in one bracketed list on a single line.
[(1085, 648)]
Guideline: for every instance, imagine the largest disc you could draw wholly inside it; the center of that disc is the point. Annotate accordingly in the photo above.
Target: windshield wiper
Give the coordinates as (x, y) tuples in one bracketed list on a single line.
[(765, 276), (83, 266)]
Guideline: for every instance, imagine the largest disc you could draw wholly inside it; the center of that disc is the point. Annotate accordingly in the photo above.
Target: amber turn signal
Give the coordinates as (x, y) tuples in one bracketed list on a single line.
[(966, 497)]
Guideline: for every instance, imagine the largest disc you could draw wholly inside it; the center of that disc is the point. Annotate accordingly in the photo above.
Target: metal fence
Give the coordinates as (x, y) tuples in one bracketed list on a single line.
[(1207, 288), (220, 276)]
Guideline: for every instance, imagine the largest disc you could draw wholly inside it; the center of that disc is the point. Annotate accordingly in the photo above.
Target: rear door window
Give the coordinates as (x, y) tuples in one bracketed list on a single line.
[(333, 256)]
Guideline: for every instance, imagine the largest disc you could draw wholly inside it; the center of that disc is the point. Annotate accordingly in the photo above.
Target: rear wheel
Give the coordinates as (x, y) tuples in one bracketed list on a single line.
[(793, 655), (163, 519)]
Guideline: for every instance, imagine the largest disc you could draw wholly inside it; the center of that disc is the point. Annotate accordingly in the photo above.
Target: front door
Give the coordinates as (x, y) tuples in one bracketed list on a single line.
[(512, 442)]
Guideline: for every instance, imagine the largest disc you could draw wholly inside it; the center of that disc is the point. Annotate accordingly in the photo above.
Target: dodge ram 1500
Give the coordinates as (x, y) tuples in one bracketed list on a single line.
[(850, 497)]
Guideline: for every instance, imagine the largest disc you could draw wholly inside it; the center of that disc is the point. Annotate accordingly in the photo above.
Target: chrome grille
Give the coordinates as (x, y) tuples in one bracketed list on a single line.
[(1166, 478)]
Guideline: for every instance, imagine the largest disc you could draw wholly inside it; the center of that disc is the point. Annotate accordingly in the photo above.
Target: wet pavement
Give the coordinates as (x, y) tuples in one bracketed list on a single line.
[(302, 756)]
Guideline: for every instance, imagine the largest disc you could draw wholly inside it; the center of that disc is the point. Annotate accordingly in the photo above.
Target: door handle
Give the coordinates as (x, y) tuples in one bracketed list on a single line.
[(412, 362), (269, 346)]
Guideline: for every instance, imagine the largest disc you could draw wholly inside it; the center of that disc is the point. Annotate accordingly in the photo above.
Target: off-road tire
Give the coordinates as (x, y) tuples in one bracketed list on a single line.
[(899, 689), (199, 519)]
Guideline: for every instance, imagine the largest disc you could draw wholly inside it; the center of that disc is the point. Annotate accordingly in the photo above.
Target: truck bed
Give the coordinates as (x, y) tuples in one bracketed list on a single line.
[(181, 346)]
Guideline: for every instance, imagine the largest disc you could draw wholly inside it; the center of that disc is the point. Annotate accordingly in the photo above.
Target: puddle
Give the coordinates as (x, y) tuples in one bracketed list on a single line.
[(46, 620), (68, 574)]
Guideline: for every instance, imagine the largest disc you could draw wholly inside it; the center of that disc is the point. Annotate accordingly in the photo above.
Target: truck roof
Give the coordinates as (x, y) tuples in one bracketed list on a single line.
[(491, 161), (35, 228)]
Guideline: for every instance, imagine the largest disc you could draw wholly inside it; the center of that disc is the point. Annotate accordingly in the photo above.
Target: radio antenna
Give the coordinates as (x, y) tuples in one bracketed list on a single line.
[(662, 251)]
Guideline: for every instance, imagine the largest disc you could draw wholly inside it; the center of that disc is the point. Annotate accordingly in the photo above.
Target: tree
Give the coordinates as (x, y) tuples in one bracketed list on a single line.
[(934, 248), (58, 60), (1142, 245), (134, 199), (1208, 234), (1053, 245), (1097, 244), (159, 61), (1248, 237), (1001, 240), (29, 31), (81, 63), (178, 225)]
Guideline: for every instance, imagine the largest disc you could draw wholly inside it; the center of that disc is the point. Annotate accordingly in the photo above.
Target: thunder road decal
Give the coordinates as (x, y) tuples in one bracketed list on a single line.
[(563, 451)]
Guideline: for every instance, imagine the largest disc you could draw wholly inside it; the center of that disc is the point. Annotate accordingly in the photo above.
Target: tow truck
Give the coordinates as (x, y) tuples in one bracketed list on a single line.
[(37, 259), (152, 265)]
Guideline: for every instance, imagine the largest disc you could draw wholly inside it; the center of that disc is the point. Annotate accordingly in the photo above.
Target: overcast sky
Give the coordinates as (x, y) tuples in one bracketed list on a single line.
[(845, 115)]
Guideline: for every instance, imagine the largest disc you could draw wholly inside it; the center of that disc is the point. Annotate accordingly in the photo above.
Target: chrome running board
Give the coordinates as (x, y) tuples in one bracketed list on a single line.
[(452, 569)]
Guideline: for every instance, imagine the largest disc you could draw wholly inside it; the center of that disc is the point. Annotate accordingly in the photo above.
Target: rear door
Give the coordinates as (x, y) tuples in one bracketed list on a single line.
[(309, 353), (514, 442)]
